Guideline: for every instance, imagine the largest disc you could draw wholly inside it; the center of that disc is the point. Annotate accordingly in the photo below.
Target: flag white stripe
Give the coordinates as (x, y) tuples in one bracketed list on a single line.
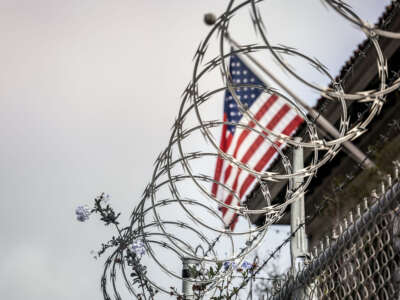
[(268, 116), (260, 152), (251, 137), (230, 214), (245, 121)]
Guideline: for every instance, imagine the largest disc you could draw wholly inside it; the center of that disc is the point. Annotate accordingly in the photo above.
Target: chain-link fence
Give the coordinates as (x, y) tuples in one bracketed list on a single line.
[(361, 262)]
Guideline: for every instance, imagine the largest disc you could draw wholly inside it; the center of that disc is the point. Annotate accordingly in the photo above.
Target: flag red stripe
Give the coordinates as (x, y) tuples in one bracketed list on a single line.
[(228, 169), (268, 155), (251, 124), (260, 113), (297, 120), (253, 148), (226, 140), (233, 222), (260, 139), (218, 168)]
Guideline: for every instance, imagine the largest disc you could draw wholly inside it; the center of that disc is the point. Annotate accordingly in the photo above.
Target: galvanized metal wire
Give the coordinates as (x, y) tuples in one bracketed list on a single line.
[(362, 262), (183, 234)]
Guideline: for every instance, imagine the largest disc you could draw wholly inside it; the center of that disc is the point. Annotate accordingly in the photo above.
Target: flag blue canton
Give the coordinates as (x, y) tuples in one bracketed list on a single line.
[(241, 74)]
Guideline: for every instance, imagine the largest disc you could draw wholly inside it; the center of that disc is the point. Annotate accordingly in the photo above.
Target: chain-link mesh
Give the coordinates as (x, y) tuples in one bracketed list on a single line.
[(362, 262)]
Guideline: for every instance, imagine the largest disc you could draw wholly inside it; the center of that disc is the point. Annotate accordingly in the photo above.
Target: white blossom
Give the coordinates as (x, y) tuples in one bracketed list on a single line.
[(229, 264), (138, 248), (246, 265), (82, 213), (105, 199)]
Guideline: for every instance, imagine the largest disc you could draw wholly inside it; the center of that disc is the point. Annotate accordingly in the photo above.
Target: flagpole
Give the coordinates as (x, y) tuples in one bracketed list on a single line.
[(323, 123)]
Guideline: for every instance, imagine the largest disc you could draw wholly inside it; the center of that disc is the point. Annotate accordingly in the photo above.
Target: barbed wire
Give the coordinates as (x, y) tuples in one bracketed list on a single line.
[(198, 223)]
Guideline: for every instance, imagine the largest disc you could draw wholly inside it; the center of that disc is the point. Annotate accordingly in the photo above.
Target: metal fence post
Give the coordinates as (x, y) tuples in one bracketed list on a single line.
[(299, 242), (187, 285)]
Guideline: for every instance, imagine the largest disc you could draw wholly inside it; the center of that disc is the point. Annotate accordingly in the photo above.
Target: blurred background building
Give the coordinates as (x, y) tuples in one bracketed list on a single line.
[(352, 213), (381, 141)]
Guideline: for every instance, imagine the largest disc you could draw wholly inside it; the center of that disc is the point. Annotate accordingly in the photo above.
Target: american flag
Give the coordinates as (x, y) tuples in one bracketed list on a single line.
[(245, 145)]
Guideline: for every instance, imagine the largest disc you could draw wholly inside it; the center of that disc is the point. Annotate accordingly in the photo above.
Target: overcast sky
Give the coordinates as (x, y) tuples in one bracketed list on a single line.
[(88, 92)]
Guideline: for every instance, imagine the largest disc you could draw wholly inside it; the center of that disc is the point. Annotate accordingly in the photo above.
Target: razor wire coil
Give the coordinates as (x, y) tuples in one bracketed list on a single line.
[(155, 230)]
